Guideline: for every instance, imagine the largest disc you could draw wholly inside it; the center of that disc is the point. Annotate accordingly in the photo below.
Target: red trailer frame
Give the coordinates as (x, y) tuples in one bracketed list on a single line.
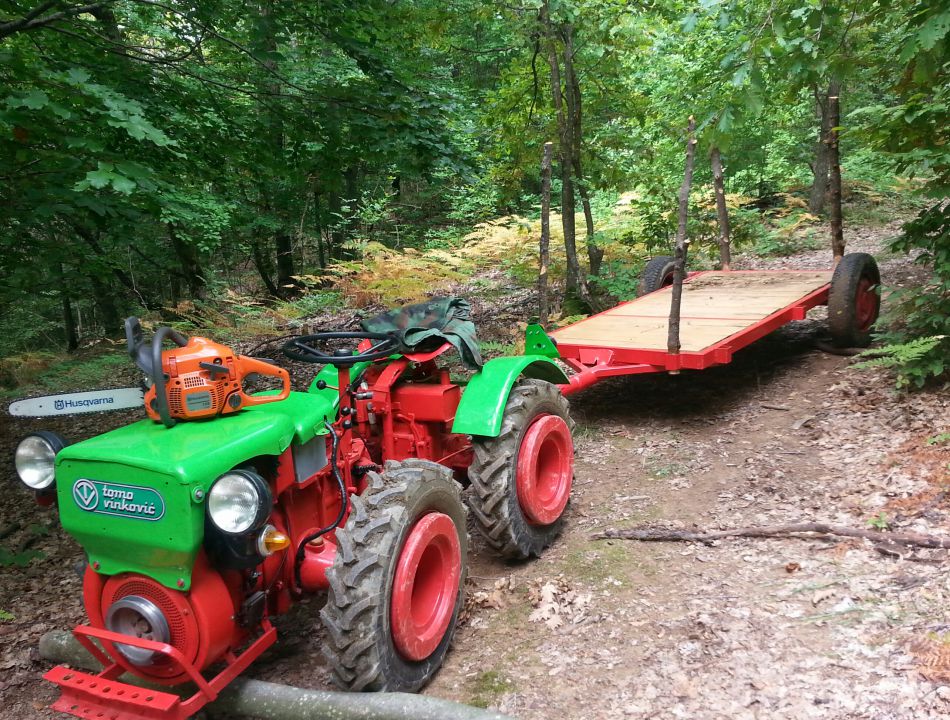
[(595, 362)]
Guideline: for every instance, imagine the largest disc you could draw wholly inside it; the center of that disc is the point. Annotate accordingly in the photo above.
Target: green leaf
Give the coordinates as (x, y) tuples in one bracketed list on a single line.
[(123, 184), (35, 100)]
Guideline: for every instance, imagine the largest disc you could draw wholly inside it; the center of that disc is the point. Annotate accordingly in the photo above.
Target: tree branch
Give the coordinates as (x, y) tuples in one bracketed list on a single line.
[(802, 531), (32, 20)]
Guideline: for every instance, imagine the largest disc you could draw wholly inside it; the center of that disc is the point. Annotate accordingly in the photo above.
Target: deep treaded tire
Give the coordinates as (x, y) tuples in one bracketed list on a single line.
[(854, 302), (494, 473), (657, 273), (358, 613)]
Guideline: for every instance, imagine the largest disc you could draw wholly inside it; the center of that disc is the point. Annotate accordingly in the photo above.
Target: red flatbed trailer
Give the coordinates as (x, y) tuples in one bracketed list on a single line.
[(721, 312)]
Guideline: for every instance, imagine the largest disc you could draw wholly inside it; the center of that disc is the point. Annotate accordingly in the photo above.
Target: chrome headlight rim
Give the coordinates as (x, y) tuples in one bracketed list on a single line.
[(239, 487), (49, 444)]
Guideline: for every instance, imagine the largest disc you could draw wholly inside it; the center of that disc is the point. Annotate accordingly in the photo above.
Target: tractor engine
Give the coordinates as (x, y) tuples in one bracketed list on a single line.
[(198, 624)]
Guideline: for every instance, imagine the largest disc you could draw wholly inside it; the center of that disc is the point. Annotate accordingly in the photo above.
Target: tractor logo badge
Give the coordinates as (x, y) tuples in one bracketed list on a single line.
[(129, 501), (86, 495)]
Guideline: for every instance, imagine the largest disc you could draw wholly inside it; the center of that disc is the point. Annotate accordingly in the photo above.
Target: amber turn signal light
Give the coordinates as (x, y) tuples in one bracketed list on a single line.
[(271, 540)]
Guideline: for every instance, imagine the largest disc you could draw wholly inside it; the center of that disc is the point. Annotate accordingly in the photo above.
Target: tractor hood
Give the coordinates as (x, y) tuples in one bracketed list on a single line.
[(200, 450), (134, 497)]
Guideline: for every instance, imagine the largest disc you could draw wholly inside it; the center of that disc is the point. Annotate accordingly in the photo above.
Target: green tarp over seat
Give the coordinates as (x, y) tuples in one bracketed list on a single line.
[(426, 326)]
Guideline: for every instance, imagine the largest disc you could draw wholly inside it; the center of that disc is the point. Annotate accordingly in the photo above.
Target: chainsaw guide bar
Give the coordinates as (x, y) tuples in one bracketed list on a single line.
[(80, 402)]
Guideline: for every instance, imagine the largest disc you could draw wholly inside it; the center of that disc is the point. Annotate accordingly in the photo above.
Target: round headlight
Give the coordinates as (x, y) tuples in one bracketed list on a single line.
[(239, 501), (35, 459)]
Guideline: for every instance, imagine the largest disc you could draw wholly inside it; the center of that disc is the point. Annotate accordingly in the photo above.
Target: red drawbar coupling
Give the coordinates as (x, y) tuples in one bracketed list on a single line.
[(102, 696)]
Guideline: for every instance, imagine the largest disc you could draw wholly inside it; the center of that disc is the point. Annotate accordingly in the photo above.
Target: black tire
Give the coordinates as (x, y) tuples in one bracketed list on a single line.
[(360, 650), (854, 301), (657, 273), (494, 498)]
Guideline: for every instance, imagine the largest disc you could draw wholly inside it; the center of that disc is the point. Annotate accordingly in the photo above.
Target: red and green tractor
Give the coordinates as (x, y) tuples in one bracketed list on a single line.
[(204, 521)]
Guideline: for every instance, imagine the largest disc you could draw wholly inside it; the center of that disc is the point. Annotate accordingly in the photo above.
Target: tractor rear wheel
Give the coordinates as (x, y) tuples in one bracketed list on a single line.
[(521, 480), (396, 586), (854, 300), (657, 273)]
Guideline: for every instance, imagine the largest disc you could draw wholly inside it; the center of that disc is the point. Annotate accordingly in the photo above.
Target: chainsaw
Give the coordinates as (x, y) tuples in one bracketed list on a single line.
[(197, 379)]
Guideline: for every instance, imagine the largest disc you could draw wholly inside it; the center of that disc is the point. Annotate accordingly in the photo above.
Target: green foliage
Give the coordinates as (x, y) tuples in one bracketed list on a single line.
[(488, 686), (879, 522), (6, 616), (21, 559), (44, 373), (187, 160), (913, 362), (619, 279), (917, 335)]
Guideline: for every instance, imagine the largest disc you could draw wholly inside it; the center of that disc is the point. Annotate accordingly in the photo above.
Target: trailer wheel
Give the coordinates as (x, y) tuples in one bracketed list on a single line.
[(657, 273), (854, 302), (521, 480), (396, 585)]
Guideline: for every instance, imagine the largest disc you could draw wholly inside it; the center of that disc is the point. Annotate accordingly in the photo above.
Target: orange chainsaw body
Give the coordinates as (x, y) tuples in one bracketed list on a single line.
[(205, 379)]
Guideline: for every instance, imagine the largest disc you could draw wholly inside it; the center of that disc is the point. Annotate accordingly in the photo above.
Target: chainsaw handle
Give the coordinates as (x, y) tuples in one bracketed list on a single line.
[(158, 371), (247, 365)]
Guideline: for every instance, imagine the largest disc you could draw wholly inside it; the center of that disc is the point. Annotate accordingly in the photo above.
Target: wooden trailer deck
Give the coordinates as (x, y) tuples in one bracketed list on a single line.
[(721, 313)]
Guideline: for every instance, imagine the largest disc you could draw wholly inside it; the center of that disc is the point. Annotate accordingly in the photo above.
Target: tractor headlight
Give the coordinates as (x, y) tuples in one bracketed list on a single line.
[(35, 459), (239, 501)]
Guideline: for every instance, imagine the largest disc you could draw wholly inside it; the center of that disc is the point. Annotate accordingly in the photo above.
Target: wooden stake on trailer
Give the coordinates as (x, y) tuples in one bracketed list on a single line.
[(725, 255), (682, 242), (834, 120), (545, 233)]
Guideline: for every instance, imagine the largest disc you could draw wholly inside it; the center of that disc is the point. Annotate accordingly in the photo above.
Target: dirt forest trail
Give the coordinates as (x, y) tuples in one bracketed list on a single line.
[(746, 628), (617, 629)]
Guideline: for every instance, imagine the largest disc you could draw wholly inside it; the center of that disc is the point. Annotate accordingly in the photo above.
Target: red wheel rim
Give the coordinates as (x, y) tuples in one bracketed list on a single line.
[(545, 469), (426, 586), (866, 304)]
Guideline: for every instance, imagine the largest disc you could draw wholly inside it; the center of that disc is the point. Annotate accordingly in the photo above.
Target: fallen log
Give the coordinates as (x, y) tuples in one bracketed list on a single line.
[(271, 701), (802, 531)]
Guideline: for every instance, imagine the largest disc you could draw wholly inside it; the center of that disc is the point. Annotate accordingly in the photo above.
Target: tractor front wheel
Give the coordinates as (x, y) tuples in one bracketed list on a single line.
[(396, 584), (521, 480)]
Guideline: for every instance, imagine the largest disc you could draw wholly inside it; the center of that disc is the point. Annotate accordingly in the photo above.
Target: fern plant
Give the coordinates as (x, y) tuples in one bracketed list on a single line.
[(913, 362)]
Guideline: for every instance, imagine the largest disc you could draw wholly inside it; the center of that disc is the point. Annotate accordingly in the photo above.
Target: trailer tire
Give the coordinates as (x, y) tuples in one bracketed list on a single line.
[(368, 605), (517, 516), (853, 301), (657, 273)]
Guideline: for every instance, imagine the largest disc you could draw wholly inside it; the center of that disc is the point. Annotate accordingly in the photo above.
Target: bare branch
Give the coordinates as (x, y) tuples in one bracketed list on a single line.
[(804, 531), (33, 19)]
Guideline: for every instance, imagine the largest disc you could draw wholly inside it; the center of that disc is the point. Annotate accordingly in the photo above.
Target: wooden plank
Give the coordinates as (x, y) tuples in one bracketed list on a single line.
[(715, 306)]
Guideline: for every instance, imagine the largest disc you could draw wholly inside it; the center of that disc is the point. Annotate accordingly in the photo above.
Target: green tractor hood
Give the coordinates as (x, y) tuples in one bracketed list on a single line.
[(134, 497)]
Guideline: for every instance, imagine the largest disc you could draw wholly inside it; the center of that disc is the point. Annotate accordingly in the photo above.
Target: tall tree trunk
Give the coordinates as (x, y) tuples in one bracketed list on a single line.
[(318, 225), (682, 243), (575, 280), (722, 212), (105, 304), (190, 264), (545, 234), (595, 255), (820, 168), (263, 266), (834, 195), (69, 321), (283, 240)]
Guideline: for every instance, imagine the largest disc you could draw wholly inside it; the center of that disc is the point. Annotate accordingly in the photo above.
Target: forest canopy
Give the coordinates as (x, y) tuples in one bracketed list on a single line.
[(155, 151)]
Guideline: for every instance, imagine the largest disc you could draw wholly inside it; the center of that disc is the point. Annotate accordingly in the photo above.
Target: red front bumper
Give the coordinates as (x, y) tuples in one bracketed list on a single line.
[(101, 696)]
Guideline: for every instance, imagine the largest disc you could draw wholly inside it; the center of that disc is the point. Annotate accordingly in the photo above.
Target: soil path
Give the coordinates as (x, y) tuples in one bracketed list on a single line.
[(616, 629)]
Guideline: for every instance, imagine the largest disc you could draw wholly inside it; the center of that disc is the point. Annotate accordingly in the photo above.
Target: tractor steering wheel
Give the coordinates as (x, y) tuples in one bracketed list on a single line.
[(302, 349)]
